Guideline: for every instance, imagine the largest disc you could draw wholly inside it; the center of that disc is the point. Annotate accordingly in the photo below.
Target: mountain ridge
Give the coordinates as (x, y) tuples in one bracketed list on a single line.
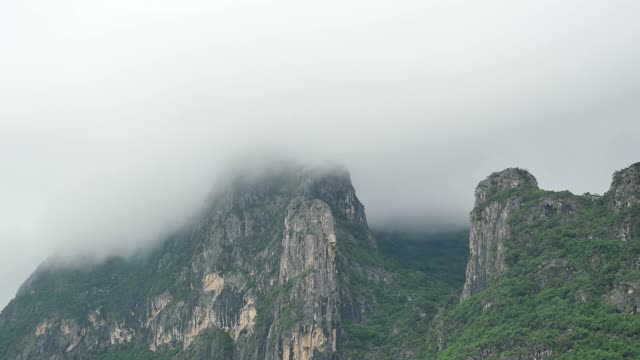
[(285, 266), (279, 267)]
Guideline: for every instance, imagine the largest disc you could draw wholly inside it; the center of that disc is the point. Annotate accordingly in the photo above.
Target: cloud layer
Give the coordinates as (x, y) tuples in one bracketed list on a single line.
[(117, 117)]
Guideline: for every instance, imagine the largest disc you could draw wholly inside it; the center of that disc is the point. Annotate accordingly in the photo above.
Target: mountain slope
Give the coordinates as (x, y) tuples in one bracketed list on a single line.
[(279, 267), (257, 273), (285, 267), (550, 274)]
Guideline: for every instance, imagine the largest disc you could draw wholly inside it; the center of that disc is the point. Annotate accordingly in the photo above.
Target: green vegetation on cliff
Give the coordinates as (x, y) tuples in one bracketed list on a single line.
[(569, 291), (288, 268), (422, 273)]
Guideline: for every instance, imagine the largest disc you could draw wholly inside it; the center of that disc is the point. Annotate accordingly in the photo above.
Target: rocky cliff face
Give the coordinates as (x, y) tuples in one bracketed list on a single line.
[(255, 277), (623, 198), (499, 196), (490, 228), (549, 273), (625, 188)]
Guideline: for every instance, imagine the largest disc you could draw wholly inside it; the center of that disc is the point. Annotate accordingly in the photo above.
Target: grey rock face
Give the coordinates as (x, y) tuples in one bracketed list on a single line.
[(486, 246), (499, 196), (258, 270), (625, 188), (308, 260), (512, 178), (490, 228), (625, 296), (624, 200)]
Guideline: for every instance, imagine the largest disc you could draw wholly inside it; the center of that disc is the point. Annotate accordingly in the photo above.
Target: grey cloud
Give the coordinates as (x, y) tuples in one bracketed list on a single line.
[(116, 118)]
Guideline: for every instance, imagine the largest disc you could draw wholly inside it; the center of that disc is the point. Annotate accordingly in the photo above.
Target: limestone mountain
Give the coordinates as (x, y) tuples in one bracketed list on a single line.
[(550, 274), (282, 266), (285, 266)]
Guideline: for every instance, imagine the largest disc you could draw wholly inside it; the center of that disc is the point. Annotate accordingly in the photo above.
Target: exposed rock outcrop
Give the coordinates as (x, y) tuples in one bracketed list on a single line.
[(490, 228), (625, 296), (624, 199), (260, 265), (309, 261), (529, 243), (499, 196), (625, 188)]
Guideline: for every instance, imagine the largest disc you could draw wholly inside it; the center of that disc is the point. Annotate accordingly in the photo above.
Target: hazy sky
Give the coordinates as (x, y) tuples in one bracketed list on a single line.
[(116, 116)]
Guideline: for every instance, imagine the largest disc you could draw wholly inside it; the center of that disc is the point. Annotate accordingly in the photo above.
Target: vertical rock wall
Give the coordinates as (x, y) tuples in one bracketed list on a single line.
[(490, 228)]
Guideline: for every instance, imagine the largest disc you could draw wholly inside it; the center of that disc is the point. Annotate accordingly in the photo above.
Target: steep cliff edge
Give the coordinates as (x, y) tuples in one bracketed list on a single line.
[(623, 199), (255, 277), (489, 227), (625, 188), (550, 274)]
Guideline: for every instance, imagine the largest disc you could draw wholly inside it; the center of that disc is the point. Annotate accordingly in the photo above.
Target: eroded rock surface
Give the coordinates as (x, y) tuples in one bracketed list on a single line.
[(260, 266), (490, 227)]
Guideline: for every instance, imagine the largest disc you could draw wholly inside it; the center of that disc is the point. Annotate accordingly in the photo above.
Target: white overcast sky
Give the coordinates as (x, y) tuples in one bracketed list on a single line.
[(116, 116)]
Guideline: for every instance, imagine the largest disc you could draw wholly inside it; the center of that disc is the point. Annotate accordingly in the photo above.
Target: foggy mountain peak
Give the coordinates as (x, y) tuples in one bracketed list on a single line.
[(116, 118)]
